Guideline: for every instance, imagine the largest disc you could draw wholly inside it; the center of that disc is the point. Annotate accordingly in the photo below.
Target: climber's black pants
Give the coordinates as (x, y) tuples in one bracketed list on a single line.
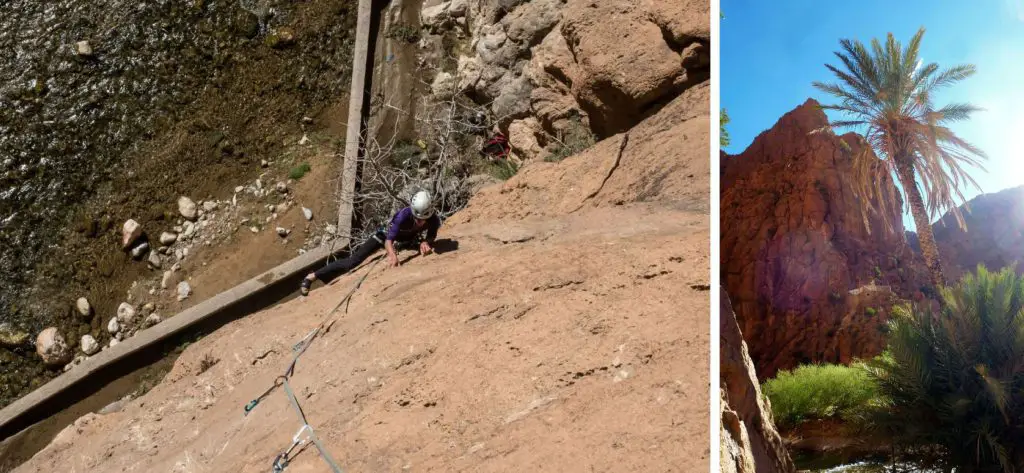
[(361, 253)]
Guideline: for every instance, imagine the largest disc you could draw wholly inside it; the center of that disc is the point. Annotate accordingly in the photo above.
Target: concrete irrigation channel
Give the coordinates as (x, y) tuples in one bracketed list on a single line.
[(113, 373)]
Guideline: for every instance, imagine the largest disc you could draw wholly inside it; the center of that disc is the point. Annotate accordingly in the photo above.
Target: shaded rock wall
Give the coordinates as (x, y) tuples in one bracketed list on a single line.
[(749, 441)]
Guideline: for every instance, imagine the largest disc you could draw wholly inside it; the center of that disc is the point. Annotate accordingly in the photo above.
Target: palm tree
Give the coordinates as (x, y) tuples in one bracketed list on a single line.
[(952, 382), (888, 91)]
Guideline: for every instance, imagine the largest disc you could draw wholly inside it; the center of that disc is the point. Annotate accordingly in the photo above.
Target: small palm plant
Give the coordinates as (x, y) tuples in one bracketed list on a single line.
[(888, 92), (953, 381)]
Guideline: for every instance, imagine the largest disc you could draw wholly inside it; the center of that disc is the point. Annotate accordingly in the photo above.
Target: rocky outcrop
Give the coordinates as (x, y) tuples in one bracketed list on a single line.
[(546, 67), (749, 441), (810, 281)]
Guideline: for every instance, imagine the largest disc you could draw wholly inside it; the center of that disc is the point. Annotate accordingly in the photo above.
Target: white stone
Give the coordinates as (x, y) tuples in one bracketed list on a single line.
[(282, 187), (125, 313), (152, 320), (190, 229), (254, 229), (184, 290), (187, 208), (83, 306), (210, 205), (52, 348), (304, 140), (239, 189), (307, 213), (154, 259), (89, 345), (165, 281), (263, 164), (331, 229), (83, 48), (113, 326), (168, 238), (130, 232), (113, 342), (140, 250), (282, 232)]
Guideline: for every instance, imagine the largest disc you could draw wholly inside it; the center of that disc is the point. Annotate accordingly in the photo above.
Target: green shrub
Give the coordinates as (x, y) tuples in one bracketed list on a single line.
[(298, 171), (820, 392), (503, 169), (870, 311), (723, 134), (955, 380), (576, 138), (404, 32)]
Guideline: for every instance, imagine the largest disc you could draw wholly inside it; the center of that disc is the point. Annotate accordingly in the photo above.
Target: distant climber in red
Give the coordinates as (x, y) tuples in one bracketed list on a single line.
[(406, 227)]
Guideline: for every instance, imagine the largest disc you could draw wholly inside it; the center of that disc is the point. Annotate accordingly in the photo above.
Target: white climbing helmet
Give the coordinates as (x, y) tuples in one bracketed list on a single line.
[(422, 207)]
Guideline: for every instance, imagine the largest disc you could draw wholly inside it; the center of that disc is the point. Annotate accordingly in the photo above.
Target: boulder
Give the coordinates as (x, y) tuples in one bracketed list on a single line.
[(125, 313), (154, 259), (113, 326), (83, 307), (625, 62), (152, 320), (89, 345), (83, 48), (187, 208), (131, 231), (52, 348), (184, 290), (168, 238), (522, 137), (139, 250)]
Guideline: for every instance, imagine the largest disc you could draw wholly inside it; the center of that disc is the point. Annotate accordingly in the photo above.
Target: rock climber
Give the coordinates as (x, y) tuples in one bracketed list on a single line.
[(406, 228)]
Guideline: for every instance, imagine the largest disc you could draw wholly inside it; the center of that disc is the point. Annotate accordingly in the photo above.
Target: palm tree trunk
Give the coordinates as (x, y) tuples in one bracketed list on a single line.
[(924, 229)]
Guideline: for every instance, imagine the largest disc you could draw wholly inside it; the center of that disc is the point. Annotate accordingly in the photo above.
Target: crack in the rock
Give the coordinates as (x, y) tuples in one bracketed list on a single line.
[(608, 175)]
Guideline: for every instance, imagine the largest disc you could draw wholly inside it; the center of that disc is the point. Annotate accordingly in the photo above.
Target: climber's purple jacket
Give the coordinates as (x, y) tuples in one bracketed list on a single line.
[(403, 227)]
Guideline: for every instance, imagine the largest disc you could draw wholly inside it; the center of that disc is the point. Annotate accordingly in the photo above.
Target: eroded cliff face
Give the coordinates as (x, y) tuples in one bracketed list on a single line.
[(809, 281), (749, 441), (547, 68)]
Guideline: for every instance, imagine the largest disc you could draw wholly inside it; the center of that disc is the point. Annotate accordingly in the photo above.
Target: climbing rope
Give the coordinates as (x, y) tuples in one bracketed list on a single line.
[(306, 434)]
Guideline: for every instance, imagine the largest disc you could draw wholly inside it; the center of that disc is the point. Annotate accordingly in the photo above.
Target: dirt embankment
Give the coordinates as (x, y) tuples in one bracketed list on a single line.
[(183, 99), (566, 329)]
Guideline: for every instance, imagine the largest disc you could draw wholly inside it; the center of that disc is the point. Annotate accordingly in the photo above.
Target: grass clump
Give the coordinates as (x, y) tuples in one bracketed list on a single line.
[(404, 32), (503, 169), (825, 391), (576, 138), (298, 171)]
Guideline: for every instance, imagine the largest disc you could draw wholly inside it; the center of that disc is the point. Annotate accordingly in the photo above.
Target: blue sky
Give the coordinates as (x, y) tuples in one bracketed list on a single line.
[(772, 51)]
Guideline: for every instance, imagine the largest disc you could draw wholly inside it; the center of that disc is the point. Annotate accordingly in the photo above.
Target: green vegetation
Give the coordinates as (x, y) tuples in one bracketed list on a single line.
[(870, 311), (298, 171), (404, 32), (723, 134), (820, 392), (575, 139), (503, 169), (954, 381), (887, 92)]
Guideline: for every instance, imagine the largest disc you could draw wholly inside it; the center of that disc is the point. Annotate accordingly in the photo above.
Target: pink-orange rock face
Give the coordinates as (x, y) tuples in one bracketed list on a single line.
[(794, 245)]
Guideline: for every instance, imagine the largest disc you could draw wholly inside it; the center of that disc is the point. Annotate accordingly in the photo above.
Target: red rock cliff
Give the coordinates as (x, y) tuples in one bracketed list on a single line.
[(797, 258)]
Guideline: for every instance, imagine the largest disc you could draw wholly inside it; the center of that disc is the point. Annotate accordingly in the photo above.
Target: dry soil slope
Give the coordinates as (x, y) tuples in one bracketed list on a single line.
[(565, 333)]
